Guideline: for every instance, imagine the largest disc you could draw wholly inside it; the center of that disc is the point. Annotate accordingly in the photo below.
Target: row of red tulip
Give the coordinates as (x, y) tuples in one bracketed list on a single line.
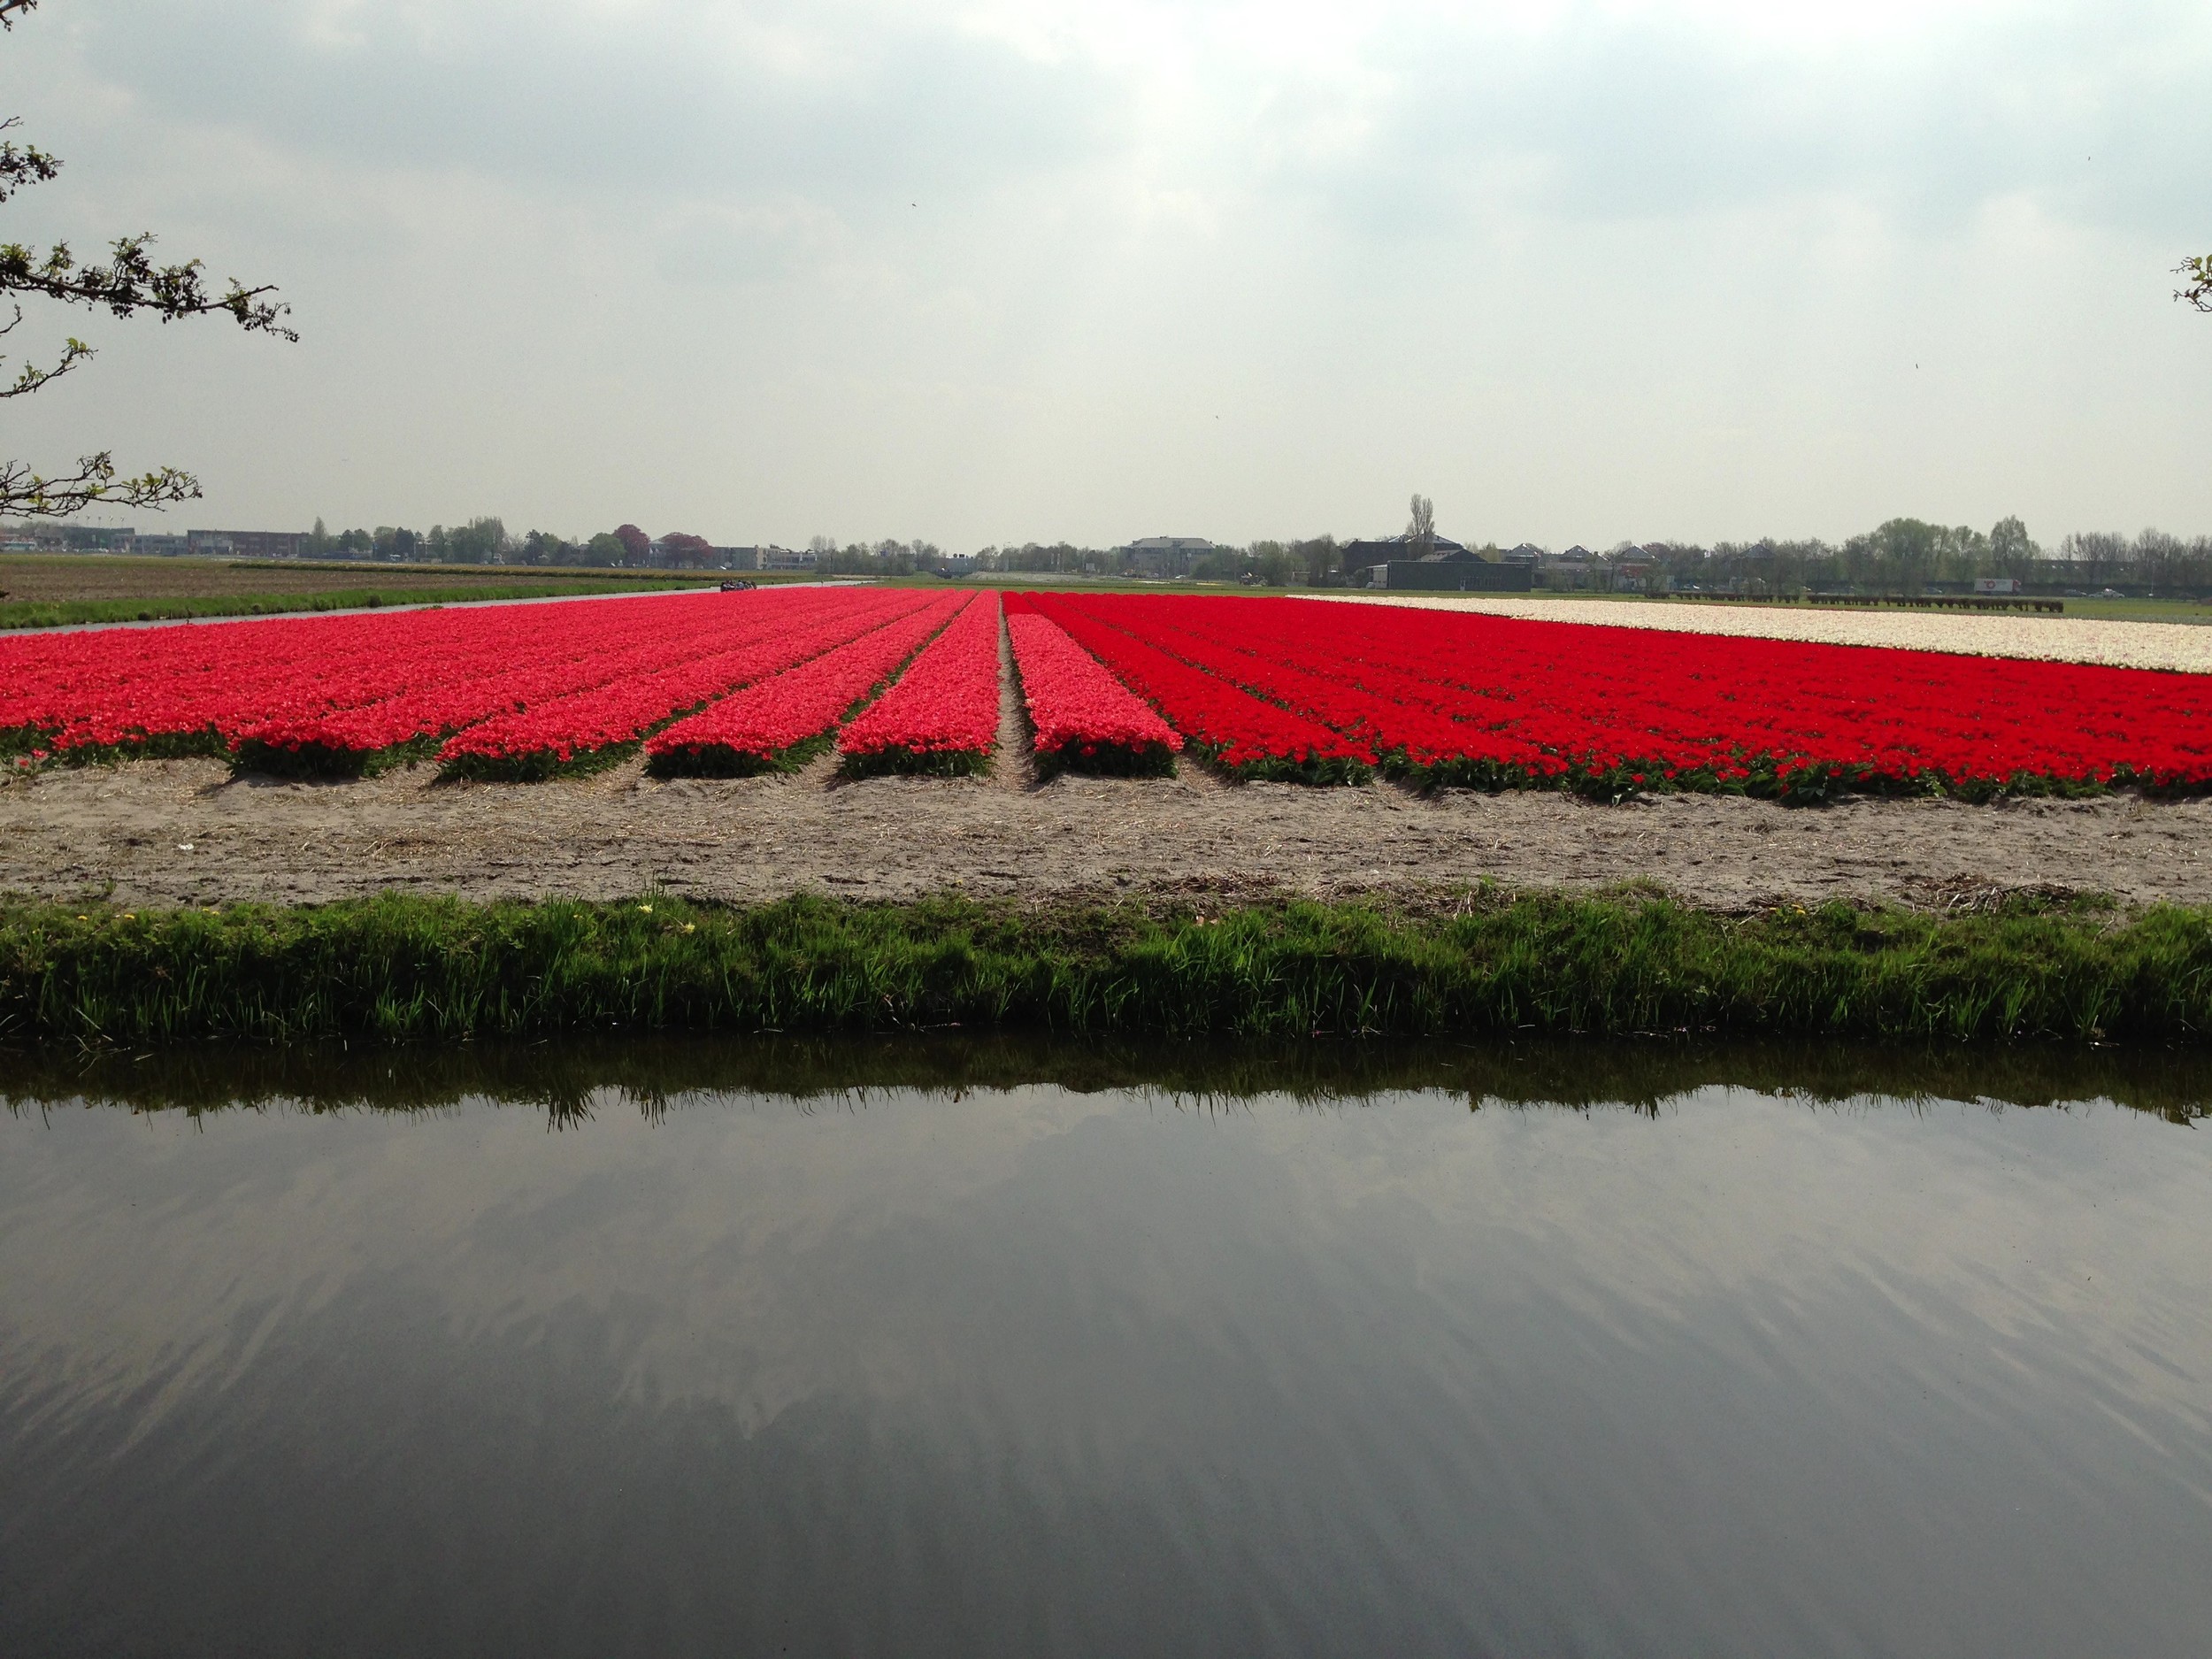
[(203, 685), (1458, 698), (781, 722), (1247, 735), (594, 728), (942, 715), (534, 717), (1081, 717), (346, 690)]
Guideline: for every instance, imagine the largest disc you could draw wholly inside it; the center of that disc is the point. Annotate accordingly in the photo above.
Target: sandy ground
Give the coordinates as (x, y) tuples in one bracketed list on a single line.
[(179, 832), (2169, 645)]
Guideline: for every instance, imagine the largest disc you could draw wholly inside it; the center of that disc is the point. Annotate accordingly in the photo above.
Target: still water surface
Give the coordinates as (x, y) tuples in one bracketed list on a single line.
[(1391, 1359)]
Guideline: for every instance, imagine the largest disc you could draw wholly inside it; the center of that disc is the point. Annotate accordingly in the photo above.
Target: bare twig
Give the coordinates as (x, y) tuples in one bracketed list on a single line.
[(134, 283), (2199, 274), (23, 164), (31, 377), (128, 284), (94, 483)]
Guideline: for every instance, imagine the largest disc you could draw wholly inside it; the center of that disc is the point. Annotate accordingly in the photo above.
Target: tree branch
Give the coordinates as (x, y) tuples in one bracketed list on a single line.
[(134, 283), (32, 377), (94, 483), (130, 283), (21, 166), (2199, 272)]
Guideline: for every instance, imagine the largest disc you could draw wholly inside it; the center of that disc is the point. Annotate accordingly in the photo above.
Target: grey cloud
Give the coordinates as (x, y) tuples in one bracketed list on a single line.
[(651, 106), (1658, 119)]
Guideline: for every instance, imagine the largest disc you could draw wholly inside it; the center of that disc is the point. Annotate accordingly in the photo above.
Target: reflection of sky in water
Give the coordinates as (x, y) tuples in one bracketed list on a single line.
[(1693, 1356)]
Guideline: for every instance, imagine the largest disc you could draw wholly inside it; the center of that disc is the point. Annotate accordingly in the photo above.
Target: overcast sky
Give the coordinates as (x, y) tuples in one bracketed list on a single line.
[(1036, 269)]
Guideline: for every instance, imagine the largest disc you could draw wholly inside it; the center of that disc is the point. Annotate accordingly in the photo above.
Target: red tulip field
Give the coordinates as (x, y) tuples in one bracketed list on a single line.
[(910, 681)]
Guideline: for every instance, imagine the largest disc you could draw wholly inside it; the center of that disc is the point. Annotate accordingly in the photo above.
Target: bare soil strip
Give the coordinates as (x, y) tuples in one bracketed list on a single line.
[(1012, 763), (184, 832)]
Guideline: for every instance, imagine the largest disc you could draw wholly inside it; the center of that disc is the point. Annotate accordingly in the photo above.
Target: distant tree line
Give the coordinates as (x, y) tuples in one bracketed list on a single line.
[(1907, 555), (1271, 564), (488, 541), (1901, 555), (887, 557)]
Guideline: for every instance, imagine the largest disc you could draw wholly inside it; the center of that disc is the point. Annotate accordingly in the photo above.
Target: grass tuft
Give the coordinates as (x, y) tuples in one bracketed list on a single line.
[(407, 967)]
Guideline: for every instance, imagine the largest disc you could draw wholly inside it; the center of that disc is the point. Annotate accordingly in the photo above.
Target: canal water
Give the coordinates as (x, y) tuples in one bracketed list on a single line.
[(983, 1348)]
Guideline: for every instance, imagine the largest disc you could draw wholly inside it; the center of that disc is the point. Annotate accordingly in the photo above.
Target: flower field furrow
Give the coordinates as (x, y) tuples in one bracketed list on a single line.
[(589, 729), (1406, 737), (1462, 698), (135, 687), (942, 715), (1270, 635), (434, 687), (440, 700), (1084, 719), (781, 723), (1265, 687), (299, 693), (1787, 717), (1244, 735)]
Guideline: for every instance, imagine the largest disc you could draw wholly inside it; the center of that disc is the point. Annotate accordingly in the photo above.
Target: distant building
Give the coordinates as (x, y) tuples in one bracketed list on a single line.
[(266, 544), (1635, 573), (1359, 556), (245, 544), (88, 538), (1462, 572), (162, 546), (738, 558), (1527, 553), (784, 558), (1164, 554)]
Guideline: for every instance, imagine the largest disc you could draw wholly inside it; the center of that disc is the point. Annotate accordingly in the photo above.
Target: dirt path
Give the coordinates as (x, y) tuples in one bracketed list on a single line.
[(184, 832), (1012, 767)]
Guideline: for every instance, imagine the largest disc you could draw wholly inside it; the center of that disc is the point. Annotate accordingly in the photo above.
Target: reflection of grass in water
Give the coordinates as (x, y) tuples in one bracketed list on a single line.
[(568, 1078), (408, 968)]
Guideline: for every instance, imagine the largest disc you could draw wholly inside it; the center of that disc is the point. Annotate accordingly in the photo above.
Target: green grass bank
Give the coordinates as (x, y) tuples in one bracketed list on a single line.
[(178, 608), (405, 967)]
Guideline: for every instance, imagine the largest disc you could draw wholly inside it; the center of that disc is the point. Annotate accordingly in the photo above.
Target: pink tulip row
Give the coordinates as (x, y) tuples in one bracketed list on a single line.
[(1083, 718), (942, 715), (781, 722)]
